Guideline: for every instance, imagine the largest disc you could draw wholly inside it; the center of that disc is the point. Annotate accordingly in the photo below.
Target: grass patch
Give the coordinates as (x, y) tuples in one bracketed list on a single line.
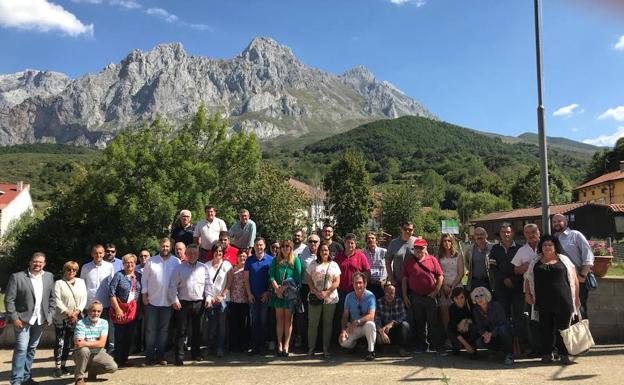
[(616, 269)]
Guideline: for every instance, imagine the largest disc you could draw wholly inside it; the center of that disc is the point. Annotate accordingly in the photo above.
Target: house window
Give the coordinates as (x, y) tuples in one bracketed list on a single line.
[(593, 192), (584, 194)]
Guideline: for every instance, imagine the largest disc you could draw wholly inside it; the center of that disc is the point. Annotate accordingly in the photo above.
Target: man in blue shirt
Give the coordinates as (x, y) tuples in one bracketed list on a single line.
[(256, 276), (358, 317)]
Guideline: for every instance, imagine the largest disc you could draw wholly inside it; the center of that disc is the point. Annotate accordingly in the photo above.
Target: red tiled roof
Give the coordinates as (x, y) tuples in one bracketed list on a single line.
[(307, 189), (617, 207), (615, 175), (528, 213), (9, 193)]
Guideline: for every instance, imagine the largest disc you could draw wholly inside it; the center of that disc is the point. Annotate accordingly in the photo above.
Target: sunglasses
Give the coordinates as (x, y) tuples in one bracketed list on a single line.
[(479, 296), (110, 251), (312, 241), (71, 269)]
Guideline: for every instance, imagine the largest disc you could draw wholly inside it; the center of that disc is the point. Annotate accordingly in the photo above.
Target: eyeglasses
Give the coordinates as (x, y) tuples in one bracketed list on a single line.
[(312, 241), (110, 251), (479, 296)]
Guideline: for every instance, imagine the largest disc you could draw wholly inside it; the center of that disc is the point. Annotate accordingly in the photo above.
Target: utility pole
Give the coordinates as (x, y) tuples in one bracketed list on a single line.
[(543, 151)]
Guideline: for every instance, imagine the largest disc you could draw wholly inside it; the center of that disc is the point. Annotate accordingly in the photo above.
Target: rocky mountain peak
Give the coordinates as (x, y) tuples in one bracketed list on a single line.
[(359, 74), (264, 51), (265, 90)]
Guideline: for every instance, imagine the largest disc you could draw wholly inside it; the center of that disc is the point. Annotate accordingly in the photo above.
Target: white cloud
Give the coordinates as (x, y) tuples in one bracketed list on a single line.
[(606, 140), (201, 27), (620, 44), (616, 113), (567, 111), (574, 129), (163, 14), (418, 3), (128, 4), (87, 1), (41, 15)]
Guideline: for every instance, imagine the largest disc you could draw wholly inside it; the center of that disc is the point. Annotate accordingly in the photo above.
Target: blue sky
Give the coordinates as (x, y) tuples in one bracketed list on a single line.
[(471, 62)]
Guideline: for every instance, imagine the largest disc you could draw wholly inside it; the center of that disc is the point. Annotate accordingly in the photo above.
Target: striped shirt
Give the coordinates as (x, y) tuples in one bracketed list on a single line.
[(89, 331)]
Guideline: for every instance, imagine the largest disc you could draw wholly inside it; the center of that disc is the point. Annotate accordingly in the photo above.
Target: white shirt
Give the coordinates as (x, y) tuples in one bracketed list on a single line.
[(98, 278), (156, 277), (188, 283), (216, 283), (299, 249), (208, 233), (525, 254), (37, 283)]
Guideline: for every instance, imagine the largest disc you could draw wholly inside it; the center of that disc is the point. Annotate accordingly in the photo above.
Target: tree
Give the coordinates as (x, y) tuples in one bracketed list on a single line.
[(348, 193), (472, 205), (400, 204), (526, 191), (433, 187), (132, 193)]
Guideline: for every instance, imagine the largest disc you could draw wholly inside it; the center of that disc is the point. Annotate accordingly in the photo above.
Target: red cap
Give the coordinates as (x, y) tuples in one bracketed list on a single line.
[(420, 242)]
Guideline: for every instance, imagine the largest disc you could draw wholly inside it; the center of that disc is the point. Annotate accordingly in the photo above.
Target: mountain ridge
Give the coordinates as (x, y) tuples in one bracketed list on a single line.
[(265, 89)]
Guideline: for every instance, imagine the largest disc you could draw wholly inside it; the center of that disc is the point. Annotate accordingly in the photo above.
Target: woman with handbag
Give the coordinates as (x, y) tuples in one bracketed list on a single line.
[(70, 295), (552, 286), (218, 293), (323, 281), (124, 291), (283, 267)]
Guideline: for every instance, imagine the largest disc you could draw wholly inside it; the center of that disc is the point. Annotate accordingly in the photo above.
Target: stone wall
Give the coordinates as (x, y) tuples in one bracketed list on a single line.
[(606, 310)]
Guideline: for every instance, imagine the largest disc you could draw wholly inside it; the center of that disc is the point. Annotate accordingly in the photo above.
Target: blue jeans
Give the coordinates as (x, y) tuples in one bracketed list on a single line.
[(157, 319), (26, 341), (259, 315)]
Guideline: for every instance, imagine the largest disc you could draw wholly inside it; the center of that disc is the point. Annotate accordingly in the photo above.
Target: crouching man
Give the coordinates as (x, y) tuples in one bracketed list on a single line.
[(358, 318), (90, 340), (391, 320)]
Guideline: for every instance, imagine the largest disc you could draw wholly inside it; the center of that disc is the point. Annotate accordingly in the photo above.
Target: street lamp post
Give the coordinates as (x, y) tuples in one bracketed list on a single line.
[(543, 151)]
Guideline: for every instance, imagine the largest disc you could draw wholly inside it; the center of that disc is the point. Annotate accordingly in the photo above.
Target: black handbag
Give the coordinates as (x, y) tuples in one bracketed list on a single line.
[(591, 282), (312, 298)]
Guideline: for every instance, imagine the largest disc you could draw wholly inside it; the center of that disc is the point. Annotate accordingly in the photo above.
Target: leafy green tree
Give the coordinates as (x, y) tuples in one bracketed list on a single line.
[(132, 193), (433, 187), (400, 204), (526, 191), (348, 193), (472, 205)]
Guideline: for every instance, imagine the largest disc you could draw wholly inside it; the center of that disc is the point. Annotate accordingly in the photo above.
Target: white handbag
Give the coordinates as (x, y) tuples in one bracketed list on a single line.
[(577, 338)]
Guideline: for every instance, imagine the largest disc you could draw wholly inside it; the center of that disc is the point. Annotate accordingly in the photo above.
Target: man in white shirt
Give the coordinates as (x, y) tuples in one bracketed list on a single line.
[(207, 231), (187, 289), (155, 292), (528, 252), (298, 245), (29, 303), (97, 276)]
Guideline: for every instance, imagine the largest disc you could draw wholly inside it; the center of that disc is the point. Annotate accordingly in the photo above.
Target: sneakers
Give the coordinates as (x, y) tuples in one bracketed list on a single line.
[(508, 360), (370, 356)]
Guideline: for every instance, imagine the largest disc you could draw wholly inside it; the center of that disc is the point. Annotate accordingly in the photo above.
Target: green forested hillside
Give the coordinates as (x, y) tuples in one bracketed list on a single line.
[(44, 166), (443, 159)]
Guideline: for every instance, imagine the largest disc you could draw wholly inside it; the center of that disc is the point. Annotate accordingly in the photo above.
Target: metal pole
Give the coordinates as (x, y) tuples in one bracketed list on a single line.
[(540, 122)]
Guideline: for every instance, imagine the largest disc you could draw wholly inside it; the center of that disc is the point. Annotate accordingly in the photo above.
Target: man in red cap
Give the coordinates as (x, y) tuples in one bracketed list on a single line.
[(421, 282)]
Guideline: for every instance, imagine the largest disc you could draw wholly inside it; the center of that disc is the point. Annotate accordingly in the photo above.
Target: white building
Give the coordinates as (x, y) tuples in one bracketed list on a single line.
[(15, 200), (315, 213)]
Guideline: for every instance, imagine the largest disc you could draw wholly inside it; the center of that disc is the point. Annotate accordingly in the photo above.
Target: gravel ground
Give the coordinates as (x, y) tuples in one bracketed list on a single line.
[(603, 365)]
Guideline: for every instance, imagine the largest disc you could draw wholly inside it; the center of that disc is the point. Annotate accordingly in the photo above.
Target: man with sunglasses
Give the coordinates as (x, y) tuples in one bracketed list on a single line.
[(89, 340), (421, 283), (110, 255), (399, 250), (358, 317), (301, 319)]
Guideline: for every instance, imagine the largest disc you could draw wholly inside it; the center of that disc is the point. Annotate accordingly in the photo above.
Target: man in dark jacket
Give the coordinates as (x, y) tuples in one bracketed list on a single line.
[(29, 303)]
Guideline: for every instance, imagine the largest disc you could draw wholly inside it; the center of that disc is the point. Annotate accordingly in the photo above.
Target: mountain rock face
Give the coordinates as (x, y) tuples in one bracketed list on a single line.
[(265, 90)]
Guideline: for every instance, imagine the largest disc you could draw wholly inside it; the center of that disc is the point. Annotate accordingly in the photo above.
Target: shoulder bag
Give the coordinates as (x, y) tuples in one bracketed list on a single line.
[(577, 337), (312, 298)]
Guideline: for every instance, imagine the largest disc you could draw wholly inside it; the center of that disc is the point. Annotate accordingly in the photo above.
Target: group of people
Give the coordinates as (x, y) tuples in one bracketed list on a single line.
[(227, 291)]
